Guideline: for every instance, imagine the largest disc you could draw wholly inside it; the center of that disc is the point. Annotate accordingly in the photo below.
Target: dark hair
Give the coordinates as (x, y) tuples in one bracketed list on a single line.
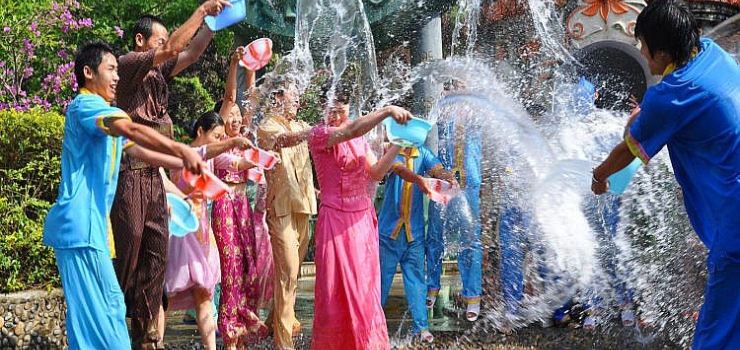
[(342, 92), (91, 54), (144, 25), (668, 25), (218, 105), (207, 121)]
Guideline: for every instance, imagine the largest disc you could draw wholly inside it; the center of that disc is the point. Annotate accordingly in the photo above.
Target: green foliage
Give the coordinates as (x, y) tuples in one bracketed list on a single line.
[(30, 153), (188, 100), (310, 110)]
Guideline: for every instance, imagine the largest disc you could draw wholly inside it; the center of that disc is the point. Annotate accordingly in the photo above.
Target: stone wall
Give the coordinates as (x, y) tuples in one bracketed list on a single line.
[(33, 320)]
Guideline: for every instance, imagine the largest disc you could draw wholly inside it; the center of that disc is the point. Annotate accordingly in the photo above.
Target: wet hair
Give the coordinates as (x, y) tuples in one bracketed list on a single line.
[(342, 92), (144, 26), (91, 54), (207, 121), (668, 25)]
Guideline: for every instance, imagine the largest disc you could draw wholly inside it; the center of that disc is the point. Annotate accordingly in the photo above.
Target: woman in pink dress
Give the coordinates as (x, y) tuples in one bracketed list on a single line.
[(348, 313), (193, 267), (238, 318)]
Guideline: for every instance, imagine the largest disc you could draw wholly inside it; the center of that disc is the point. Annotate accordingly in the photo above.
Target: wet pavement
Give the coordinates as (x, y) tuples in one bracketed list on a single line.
[(449, 326)]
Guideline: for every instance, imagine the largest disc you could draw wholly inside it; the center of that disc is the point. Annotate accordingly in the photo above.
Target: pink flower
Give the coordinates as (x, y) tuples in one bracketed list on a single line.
[(6, 30), (85, 22), (119, 31)]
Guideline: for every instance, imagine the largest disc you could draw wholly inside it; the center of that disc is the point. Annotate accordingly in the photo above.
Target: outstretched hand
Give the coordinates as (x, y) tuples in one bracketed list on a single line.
[(214, 7), (238, 54), (423, 185), (192, 161), (242, 143), (399, 114)]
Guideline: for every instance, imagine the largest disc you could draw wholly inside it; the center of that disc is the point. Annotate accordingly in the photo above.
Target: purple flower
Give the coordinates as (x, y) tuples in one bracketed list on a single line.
[(2, 64), (33, 27), (6, 30), (119, 31), (28, 72), (85, 22), (62, 54)]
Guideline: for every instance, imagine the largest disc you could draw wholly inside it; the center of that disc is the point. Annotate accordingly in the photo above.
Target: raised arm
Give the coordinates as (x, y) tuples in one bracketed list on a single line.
[(151, 139), (362, 125), (230, 95), (180, 38)]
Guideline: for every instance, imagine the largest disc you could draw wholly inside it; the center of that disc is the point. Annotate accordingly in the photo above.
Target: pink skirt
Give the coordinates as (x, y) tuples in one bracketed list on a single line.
[(192, 262), (347, 293)]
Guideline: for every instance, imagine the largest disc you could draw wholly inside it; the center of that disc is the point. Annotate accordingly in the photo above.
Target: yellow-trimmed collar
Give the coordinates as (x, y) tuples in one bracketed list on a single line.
[(412, 152), (673, 66), (85, 91)]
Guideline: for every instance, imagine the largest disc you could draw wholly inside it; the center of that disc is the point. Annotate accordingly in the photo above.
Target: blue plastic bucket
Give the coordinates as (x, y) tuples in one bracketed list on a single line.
[(228, 16), (413, 134), (618, 181), (182, 221)]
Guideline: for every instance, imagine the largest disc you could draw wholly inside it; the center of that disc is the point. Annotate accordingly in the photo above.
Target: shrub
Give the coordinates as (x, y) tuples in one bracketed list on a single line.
[(30, 157), (188, 100)]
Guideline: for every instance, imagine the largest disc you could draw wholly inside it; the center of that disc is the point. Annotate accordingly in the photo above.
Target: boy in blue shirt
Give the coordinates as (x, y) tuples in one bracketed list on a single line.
[(401, 228), (695, 112), (77, 226)]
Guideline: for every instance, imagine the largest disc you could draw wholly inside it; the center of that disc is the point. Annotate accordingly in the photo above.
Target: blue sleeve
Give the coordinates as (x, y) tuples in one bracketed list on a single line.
[(430, 162), (654, 126), (94, 115)]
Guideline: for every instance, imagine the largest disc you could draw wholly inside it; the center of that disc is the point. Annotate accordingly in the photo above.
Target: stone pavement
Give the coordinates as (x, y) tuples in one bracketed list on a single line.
[(448, 325)]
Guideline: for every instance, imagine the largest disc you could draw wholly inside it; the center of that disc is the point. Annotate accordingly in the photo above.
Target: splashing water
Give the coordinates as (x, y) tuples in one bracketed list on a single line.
[(542, 168)]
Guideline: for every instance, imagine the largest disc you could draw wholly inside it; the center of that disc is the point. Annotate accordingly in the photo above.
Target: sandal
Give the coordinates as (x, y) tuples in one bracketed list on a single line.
[(472, 312), (589, 323), (431, 299), (628, 318), (426, 336)]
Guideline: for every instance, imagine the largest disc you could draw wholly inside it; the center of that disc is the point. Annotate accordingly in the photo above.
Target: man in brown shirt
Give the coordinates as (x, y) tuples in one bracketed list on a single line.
[(291, 201), (139, 213)]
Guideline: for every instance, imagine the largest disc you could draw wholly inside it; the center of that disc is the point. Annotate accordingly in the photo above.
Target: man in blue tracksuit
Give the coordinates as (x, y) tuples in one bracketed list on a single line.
[(460, 151), (401, 227)]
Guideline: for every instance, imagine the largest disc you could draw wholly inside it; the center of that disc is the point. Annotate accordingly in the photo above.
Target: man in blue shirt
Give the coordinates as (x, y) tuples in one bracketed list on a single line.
[(401, 227), (77, 226), (695, 111), (460, 150)]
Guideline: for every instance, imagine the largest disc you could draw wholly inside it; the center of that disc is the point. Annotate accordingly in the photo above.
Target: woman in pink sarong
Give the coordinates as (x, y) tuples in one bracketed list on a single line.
[(193, 267), (238, 318), (348, 314)]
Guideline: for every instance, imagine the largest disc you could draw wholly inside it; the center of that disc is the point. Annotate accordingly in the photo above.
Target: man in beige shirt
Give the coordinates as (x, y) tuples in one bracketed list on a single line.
[(291, 201)]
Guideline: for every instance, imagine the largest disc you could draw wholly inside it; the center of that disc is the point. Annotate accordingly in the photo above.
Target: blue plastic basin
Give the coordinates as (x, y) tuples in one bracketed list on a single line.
[(413, 134), (182, 221), (618, 181), (228, 16)]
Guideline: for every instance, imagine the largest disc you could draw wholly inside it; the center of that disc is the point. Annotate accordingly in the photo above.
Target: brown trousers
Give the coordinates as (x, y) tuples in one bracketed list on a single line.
[(289, 239), (141, 235)]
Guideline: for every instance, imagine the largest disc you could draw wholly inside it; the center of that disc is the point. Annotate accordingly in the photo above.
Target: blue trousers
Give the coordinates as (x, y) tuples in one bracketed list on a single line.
[(718, 317), (513, 231), (95, 308), (470, 258), (603, 215), (411, 257)]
